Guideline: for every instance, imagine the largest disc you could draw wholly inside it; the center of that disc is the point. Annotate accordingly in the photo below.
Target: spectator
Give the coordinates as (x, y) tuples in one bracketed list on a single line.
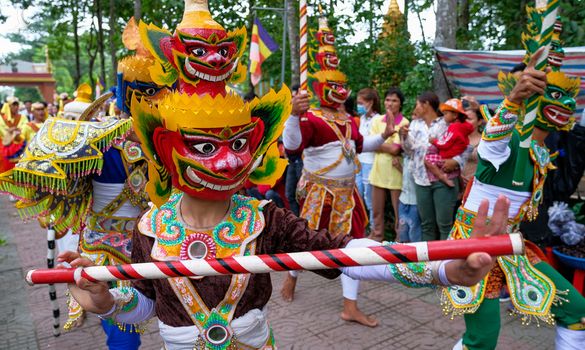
[(409, 229), (474, 117), (293, 172), (28, 110), (452, 143), (368, 108), (52, 109), (349, 107), (435, 200), (386, 169)]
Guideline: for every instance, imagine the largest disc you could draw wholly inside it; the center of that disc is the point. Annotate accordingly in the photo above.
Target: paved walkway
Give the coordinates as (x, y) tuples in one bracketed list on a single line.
[(409, 318)]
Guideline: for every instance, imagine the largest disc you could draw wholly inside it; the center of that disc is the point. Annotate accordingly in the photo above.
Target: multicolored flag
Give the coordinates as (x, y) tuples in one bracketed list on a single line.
[(99, 87), (261, 48), (476, 72)]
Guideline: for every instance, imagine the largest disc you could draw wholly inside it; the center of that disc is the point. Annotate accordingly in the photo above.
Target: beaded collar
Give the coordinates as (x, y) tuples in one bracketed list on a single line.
[(174, 240)]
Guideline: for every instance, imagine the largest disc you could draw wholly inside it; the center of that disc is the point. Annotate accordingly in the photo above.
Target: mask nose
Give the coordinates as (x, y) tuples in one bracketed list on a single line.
[(228, 165), (571, 104), (216, 60)]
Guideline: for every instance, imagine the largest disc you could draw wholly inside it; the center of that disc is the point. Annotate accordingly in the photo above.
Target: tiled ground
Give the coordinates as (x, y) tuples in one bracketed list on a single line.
[(409, 319)]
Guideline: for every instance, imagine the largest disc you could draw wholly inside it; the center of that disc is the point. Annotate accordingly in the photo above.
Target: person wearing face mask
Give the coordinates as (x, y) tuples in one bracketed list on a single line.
[(368, 108), (386, 171)]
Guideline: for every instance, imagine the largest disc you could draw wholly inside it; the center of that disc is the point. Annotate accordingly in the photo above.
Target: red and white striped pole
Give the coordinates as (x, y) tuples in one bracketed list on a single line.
[(304, 64), (315, 260)]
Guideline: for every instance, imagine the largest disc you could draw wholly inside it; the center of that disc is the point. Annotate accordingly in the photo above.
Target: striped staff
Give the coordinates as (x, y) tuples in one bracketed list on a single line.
[(548, 18), (52, 290), (303, 45), (315, 260)]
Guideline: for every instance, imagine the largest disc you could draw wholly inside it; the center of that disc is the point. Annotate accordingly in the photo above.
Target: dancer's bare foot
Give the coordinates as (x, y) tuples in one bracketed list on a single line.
[(288, 288), (351, 313)]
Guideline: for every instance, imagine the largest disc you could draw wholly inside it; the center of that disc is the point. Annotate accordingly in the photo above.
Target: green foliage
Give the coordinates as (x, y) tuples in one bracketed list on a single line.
[(28, 94), (419, 79), (394, 60), (498, 24), (374, 61)]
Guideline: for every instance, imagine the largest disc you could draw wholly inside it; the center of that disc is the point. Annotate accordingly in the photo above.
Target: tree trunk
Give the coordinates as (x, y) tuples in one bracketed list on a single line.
[(371, 22), (293, 39), (137, 10), (92, 48), (405, 13), (445, 37), (112, 35), (75, 23), (463, 23), (100, 42)]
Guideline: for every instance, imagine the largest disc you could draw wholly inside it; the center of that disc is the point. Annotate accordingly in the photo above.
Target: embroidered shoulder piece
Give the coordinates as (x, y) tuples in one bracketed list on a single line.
[(65, 150), (502, 123), (415, 275), (51, 180), (176, 241), (125, 300), (130, 150)]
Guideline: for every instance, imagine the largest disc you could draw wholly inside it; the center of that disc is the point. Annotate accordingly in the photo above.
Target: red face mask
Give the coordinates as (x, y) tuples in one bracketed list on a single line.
[(325, 37), (327, 60), (332, 94), (211, 164), (205, 60)]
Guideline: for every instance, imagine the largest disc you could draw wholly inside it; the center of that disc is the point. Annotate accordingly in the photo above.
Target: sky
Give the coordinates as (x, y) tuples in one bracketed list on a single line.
[(13, 24), (17, 21)]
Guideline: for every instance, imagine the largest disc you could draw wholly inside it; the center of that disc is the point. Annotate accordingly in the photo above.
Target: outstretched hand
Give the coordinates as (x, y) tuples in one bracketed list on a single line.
[(470, 271), (92, 296)]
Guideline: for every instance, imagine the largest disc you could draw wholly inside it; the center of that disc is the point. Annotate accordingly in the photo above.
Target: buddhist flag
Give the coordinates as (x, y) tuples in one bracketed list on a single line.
[(99, 87), (262, 47)]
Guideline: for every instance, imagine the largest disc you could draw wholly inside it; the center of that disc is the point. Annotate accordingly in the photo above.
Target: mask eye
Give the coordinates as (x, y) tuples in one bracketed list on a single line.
[(556, 95), (239, 144), (334, 86), (150, 91), (198, 51), (223, 51), (205, 148)]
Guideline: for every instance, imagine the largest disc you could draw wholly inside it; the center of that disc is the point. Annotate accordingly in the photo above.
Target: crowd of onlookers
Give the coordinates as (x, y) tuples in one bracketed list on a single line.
[(413, 184)]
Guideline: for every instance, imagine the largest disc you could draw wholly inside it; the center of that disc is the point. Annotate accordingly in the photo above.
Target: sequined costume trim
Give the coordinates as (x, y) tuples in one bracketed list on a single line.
[(532, 293), (502, 123), (317, 192)]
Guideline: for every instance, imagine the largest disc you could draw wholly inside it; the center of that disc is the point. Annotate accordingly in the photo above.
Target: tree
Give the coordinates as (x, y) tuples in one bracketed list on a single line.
[(445, 36), (75, 24), (137, 10), (293, 39), (100, 41), (112, 19), (394, 57)]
